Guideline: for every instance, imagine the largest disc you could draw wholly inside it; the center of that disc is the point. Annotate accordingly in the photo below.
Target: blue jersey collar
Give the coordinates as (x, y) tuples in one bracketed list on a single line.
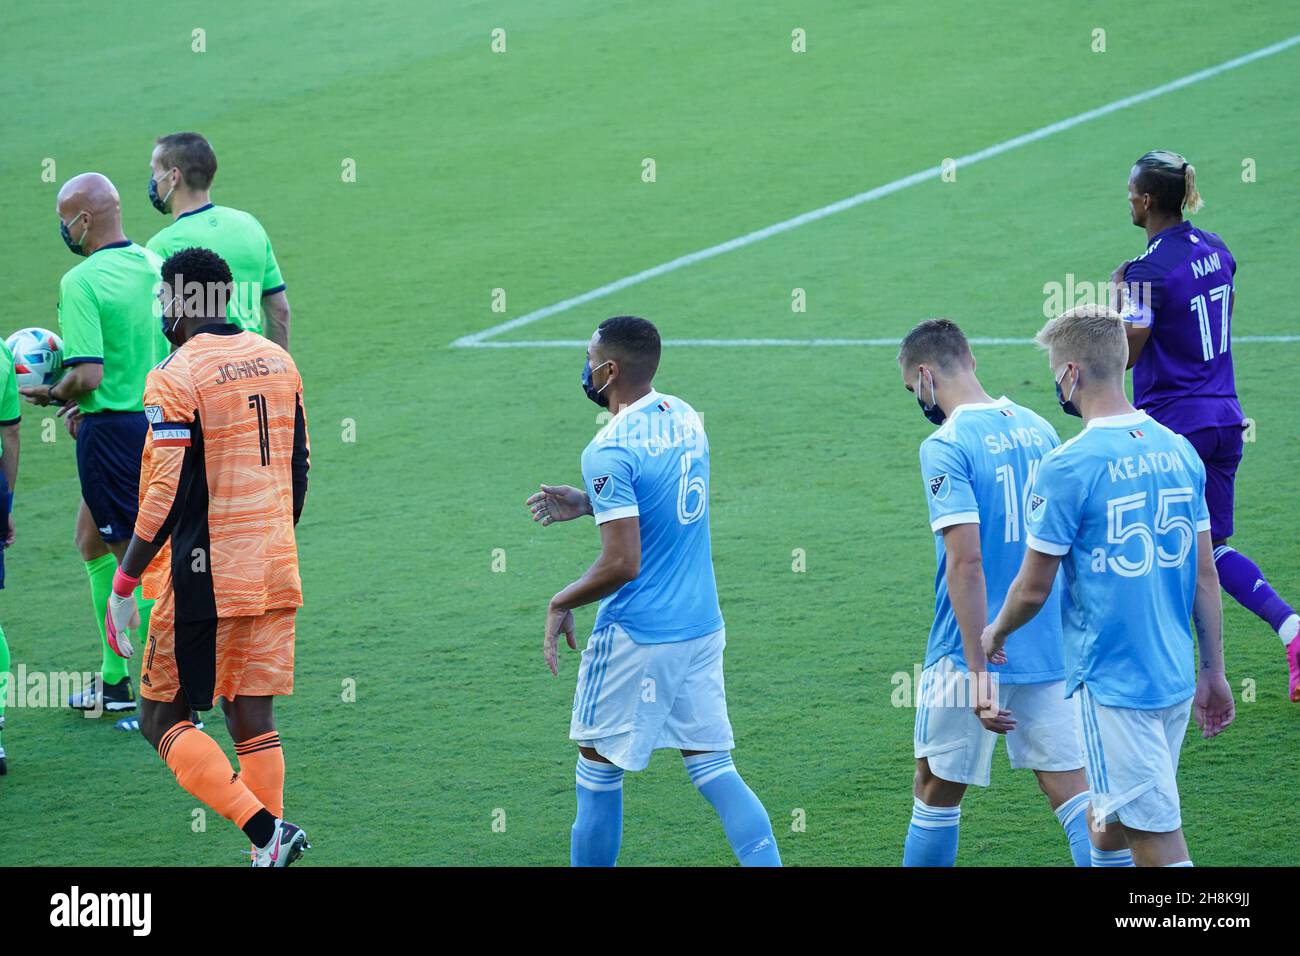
[(640, 403)]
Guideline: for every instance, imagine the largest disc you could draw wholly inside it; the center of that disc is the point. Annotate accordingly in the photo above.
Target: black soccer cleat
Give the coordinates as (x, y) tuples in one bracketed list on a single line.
[(108, 698)]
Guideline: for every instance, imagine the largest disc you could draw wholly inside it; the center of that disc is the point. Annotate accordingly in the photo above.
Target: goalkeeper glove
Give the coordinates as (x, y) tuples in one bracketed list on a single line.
[(123, 616)]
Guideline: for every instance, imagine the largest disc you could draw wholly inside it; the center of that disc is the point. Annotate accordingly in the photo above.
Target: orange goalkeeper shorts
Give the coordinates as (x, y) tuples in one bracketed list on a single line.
[(254, 656)]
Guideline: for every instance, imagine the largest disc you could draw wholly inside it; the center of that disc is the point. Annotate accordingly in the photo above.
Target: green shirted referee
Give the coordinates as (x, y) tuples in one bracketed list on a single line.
[(112, 338), (181, 171), (9, 418)]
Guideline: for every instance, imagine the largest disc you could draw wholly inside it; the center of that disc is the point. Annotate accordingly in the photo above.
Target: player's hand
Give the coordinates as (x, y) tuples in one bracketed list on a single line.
[(992, 643), (557, 620), (1117, 284), (558, 503), (1213, 704), (9, 534), (36, 394), (986, 707), (123, 617), (71, 415)]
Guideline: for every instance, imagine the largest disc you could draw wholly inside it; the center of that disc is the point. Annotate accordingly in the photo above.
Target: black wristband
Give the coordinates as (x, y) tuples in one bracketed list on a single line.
[(49, 394)]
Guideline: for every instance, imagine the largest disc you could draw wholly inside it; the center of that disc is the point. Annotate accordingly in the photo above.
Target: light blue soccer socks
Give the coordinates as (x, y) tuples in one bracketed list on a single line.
[(1073, 814), (598, 829), (749, 831), (932, 836), (1112, 857)]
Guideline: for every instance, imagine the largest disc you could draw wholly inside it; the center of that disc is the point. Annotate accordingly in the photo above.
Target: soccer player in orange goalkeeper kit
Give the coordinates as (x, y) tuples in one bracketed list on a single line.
[(223, 479)]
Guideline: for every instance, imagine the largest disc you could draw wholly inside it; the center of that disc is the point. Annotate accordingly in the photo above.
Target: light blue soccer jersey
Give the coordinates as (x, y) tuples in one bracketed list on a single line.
[(652, 461), (978, 468), (1123, 501)]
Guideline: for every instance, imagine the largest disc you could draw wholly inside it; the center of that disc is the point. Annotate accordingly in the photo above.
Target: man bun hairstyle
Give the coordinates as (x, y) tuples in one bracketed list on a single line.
[(634, 343), (936, 342), (1170, 180), (192, 155)]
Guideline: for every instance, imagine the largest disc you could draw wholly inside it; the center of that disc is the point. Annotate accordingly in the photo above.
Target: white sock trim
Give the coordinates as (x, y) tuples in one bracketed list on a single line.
[(1112, 857), (598, 776), (934, 818), (1070, 809), (702, 768)]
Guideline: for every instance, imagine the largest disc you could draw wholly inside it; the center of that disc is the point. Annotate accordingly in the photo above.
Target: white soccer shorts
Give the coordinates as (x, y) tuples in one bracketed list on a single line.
[(959, 748), (633, 699), (1133, 762)]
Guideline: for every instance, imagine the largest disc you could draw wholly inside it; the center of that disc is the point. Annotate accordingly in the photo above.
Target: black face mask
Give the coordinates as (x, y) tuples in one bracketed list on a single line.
[(158, 202), (932, 412), (169, 326), (73, 247), (1068, 406), (590, 389)]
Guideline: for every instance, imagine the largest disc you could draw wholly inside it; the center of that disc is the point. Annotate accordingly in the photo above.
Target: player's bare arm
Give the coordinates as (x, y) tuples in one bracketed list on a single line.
[(966, 591), (558, 503), (619, 563), (1214, 707), (1137, 339), (275, 310), (1028, 593), (9, 438), (80, 379)]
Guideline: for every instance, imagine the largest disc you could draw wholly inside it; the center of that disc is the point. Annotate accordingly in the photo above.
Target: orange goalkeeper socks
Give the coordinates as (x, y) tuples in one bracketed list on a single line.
[(261, 766), (202, 768)]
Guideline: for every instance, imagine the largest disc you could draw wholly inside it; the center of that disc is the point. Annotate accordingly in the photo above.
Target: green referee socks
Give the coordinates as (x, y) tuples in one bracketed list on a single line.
[(100, 571), (4, 671)]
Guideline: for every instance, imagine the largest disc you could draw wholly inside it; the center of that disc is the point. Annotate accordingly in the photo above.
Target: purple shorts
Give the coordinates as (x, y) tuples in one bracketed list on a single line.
[(1220, 450)]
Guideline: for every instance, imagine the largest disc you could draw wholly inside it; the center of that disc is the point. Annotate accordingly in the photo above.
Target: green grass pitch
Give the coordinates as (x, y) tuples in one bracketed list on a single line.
[(522, 171)]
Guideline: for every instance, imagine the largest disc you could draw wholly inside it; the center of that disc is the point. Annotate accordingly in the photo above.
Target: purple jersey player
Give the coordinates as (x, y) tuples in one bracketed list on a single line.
[(1179, 308)]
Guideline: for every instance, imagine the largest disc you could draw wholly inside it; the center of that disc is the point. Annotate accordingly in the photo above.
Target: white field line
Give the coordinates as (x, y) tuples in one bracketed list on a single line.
[(480, 339), (805, 343)]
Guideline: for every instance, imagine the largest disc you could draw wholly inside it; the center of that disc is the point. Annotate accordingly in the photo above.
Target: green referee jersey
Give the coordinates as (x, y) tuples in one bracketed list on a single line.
[(108, 314), (10, 414), (239, 239)]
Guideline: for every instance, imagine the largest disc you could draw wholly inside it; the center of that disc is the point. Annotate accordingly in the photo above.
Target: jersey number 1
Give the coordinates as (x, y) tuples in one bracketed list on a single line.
[(1015, 500), (258, 404)]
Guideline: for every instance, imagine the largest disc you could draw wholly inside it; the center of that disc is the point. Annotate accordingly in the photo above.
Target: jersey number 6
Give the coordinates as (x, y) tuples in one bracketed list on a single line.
[(689, 486)]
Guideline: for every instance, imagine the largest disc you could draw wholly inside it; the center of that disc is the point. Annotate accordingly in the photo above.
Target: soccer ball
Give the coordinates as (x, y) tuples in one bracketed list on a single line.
[(38, 356)]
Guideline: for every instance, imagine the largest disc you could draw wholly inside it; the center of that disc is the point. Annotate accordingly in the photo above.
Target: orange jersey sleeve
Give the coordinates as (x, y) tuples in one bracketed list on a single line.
[(170, 406)]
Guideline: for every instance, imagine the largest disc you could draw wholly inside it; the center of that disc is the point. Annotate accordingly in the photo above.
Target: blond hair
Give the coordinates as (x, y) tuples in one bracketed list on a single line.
[(1170, 179), (1092, 336)]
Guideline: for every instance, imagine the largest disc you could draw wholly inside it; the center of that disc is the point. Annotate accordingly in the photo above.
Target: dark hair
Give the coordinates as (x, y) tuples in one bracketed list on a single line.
[(192, 155), (207, 269), (936, 342), (1169, 179), (632, 342)]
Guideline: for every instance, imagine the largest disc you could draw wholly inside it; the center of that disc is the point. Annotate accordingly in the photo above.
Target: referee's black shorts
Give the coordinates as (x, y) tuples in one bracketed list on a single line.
[(109, 446)]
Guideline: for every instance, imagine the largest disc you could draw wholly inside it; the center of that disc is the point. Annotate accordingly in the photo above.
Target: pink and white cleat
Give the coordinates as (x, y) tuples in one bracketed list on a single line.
[(286, 846)]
